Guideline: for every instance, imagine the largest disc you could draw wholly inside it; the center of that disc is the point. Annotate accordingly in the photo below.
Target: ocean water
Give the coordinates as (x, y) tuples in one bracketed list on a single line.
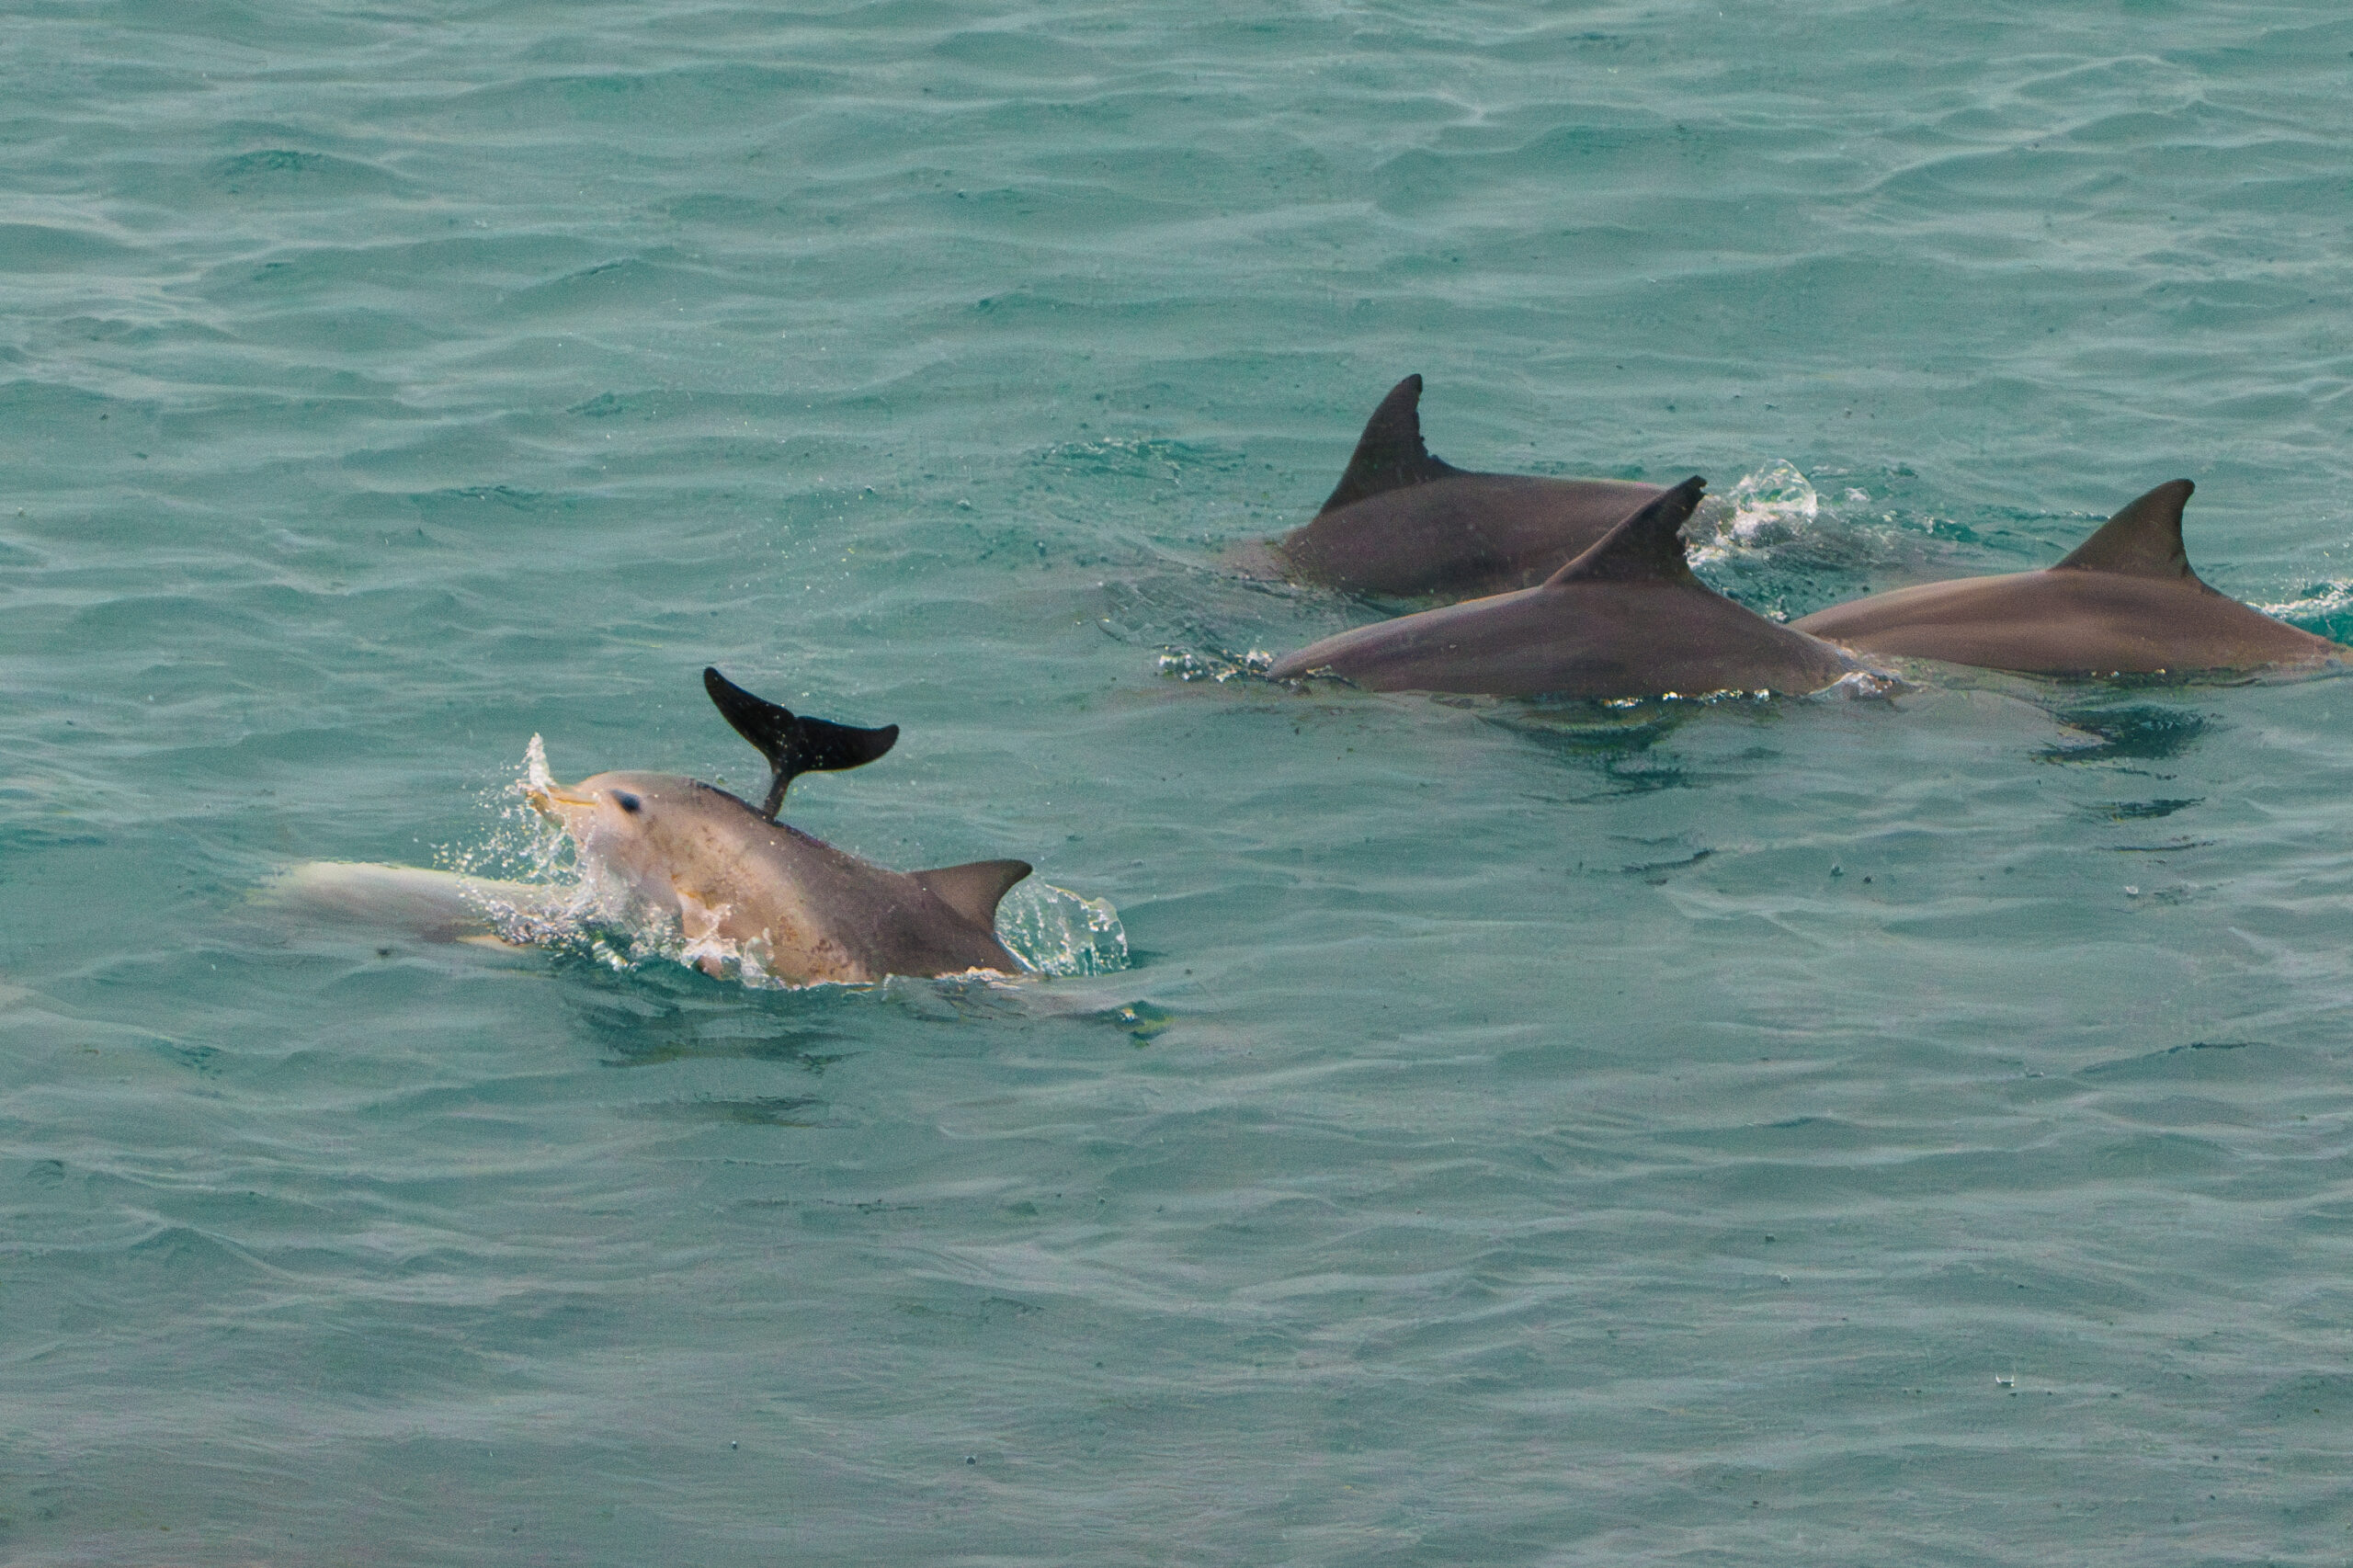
[(1819, 1131)]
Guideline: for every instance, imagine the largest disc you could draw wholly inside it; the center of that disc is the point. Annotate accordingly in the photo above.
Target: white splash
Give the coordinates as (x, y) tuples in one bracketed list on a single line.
[(1183, 665), (535, 765), (523, 845), (2324, 601), (1775, 504)]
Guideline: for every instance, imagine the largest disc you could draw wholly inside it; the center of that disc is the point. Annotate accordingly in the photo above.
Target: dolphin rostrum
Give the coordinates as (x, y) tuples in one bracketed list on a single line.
[(746, 888), (1625, 618), (2124, 603), (1403, 524)]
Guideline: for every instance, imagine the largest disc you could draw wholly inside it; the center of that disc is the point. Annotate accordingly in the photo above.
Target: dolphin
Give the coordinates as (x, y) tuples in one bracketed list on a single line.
[(435, 905), (1625, 618), (2124, 603), (773, 899), (1404, 525)]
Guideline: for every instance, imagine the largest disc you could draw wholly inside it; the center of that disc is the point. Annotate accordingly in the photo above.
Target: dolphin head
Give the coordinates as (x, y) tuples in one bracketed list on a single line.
[(632, 827)]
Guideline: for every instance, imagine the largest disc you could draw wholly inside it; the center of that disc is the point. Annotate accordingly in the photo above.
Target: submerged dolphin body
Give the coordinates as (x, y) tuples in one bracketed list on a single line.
[(1625, 618), (746, 888), (435, 905), (1404, 524), (2124, 603)]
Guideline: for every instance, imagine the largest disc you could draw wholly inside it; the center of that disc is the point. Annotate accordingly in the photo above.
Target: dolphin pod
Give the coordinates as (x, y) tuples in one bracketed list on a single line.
[(1631, 621), (750, 891), (2125, 602), (1582, 590), (1625, 618)]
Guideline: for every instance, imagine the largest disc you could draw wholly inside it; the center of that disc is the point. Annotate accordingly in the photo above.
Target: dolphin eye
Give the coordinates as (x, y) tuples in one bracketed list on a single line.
[(626, 802)]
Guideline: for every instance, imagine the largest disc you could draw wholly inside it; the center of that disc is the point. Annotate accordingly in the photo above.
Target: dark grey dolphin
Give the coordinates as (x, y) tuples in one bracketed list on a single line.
[(1625, 618), (1401, 523), (750, 892), (2125, 603)]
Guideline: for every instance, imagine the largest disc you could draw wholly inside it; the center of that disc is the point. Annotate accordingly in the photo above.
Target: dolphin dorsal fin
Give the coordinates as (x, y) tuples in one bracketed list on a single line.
[(1389, 454), (973, 891), (793, 746), (1648, 545), (2141, 541)]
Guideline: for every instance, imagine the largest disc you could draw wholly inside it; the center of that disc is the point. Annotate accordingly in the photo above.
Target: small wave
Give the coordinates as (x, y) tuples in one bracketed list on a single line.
[(290, 170), (2326, 608), (1148, 457), (1867, 686)]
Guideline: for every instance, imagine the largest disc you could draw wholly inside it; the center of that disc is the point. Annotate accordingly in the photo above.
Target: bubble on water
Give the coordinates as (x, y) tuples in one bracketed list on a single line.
[(1058, 932)]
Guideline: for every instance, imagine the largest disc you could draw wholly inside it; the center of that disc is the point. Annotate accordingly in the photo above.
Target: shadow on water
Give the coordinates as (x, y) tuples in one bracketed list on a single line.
[(2140, 810), (1620, 743), (646, 1016), (761, 1111), (2128, 731), (660, 1012)]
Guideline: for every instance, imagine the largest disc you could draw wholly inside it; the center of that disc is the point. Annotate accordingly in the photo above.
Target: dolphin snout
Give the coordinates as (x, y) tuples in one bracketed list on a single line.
[(552, 802)]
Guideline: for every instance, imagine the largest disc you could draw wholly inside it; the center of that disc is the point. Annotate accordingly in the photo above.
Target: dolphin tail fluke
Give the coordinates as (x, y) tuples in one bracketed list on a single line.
[(1389, 454), (1648, 544), (793, 745), (2141, 541), (973, 891)]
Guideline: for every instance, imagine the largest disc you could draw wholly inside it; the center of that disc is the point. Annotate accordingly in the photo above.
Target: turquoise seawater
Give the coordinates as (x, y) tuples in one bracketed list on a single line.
[(1819, 1131)]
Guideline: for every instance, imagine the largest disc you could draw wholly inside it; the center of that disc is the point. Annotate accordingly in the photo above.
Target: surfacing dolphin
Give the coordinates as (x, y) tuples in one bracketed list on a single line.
[(749, 889), (1625, 618), (2124, 603), (1401, 523)]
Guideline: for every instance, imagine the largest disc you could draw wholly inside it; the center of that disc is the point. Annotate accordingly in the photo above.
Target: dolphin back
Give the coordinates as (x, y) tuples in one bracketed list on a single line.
[(793, 745)]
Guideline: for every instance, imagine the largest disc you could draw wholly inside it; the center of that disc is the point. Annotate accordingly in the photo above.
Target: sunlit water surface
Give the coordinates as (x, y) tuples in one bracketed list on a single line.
[(1823, 1132)]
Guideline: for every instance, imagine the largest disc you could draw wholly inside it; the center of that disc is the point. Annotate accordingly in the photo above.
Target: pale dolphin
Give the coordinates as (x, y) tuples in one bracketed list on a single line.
[(436, 906), (2124, 603), (750, 891), (1625, 618), (1401, 523)]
